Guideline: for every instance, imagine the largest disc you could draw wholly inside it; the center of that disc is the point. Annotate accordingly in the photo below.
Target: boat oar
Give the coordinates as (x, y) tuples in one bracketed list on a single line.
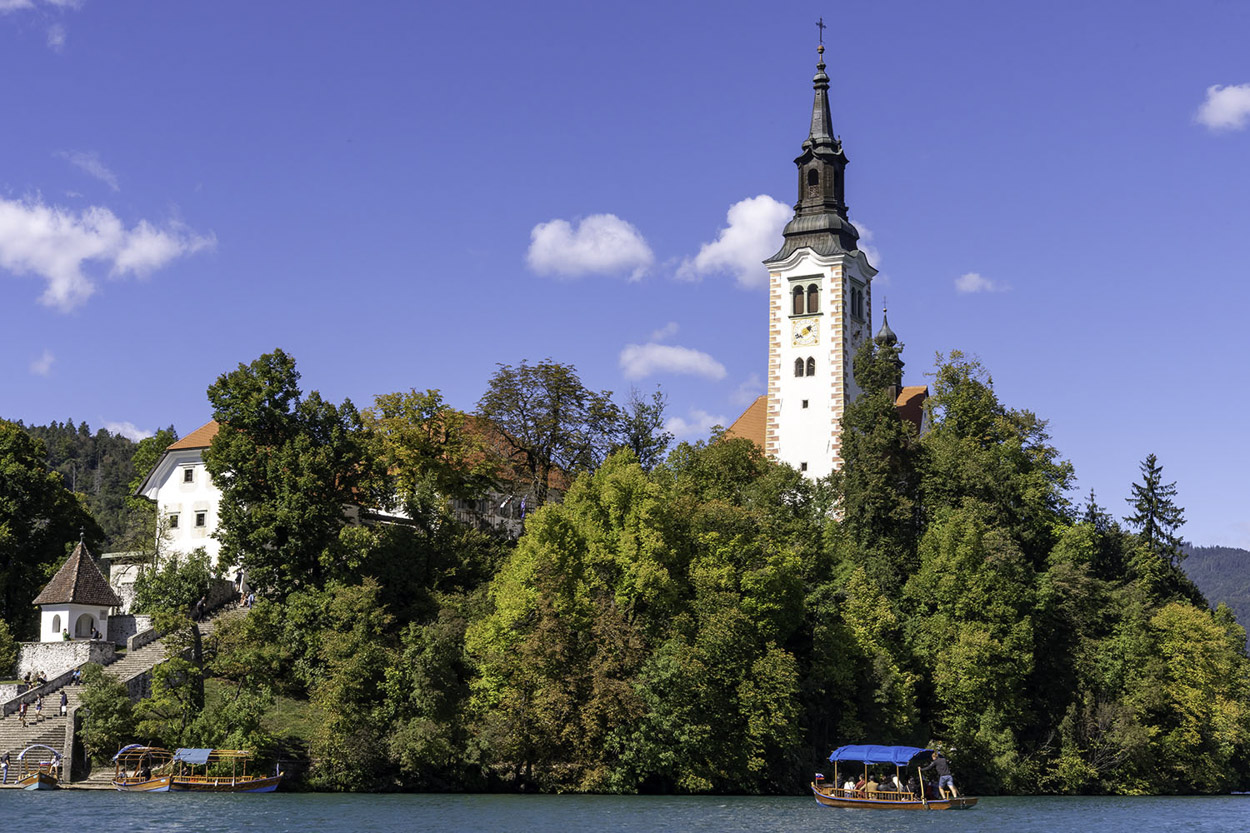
[(920, 776)]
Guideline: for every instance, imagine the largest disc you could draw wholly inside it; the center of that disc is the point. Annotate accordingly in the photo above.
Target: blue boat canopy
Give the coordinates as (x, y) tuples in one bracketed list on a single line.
[(873, 754), (196, 757)]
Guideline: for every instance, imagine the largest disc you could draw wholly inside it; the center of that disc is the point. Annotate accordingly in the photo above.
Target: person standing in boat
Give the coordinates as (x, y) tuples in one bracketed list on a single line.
[(945, 780)]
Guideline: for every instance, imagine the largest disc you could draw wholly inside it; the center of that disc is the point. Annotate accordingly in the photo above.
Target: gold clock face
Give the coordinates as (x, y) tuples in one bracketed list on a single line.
[(805, 332)]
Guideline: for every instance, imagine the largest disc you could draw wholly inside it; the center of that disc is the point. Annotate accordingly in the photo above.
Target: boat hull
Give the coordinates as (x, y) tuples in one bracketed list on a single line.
[(38, 781), (830, 797), (159, 784), (206, 784)]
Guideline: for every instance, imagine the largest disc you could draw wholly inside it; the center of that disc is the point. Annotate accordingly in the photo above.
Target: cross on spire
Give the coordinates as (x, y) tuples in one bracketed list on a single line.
[(820, 24)]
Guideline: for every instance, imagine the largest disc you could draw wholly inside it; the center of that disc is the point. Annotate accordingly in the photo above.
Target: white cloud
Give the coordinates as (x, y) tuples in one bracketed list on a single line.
[(56, 37), (641, 360), (42, 366), (699, 424), (667, 331), (601, 244), (55, 243), (1226, 107), (128, 430), (866, 246), (749, 390), (973, 282), (89, 162), (752, 233), (16, 5)]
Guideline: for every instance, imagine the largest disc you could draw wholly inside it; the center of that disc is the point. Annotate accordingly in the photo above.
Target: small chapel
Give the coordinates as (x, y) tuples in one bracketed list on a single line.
[(819, 314)]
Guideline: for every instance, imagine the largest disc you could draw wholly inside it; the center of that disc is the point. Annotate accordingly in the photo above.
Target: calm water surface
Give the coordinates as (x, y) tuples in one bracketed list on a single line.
[(107, 812)]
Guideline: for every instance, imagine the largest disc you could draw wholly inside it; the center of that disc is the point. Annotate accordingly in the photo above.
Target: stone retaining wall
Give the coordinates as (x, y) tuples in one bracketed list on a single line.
[(55, 658)]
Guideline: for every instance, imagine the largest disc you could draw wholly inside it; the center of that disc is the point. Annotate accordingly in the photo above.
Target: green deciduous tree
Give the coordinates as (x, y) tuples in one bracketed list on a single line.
[(545, 420), (109, 720), (39, 518), (287, 465)]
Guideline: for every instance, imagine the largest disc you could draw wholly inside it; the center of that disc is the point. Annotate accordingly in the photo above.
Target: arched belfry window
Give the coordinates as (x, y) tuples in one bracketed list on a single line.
[(811, 366), (798, 367), (813, 299), (813, 183), (798, 300)]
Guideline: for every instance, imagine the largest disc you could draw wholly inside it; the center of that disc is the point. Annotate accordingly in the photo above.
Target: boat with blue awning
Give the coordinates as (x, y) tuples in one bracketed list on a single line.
[(888, 795)]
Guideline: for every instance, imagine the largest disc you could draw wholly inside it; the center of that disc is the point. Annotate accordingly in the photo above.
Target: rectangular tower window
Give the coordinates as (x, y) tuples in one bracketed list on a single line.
[(802, 466), (199, 518), (804, 403), (188, 475), (173, 521)]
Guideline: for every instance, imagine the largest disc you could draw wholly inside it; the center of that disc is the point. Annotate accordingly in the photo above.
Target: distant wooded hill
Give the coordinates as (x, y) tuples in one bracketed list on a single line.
[(1223, 575), (102, 467)]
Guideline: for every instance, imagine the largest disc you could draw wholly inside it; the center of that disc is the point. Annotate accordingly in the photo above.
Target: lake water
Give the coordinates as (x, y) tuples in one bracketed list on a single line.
[(106, 812)]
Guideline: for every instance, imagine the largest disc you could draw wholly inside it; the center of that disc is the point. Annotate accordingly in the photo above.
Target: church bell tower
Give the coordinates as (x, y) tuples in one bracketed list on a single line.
[(819, 305)]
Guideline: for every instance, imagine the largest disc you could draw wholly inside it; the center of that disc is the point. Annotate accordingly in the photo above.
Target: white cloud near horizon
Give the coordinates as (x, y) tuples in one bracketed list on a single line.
[(1225, 107), (42, 366), (698, 426), (128, 430), (641, 360), (56, 243), (89, 163), (601, 244), (971, 282), (752, 232)]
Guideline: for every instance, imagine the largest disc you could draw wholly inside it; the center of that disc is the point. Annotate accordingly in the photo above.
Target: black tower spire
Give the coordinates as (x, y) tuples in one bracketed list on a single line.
[(820, 215)]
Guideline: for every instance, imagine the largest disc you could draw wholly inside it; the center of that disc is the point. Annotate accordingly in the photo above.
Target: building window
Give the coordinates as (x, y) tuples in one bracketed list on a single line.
[(857, 303), (173, 521), (56, 624), (798, 367), (811, 366), (802, 466), (797, 307), (200, 517), (813, 183), (813, 299), (188, 475), (804, 403)]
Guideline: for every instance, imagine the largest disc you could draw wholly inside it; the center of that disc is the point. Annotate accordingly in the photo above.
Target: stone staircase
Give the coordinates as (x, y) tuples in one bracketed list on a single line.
[(50, 728)]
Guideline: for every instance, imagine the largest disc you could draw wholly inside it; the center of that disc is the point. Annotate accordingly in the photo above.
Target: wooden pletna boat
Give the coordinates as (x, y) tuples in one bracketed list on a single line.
[(143, 769), (218, 770), (904, 759), (39, 768), (152, 769)]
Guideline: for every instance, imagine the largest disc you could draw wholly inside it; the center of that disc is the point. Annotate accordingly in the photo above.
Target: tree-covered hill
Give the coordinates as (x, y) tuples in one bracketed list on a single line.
[(1223, 576), (102, 467)]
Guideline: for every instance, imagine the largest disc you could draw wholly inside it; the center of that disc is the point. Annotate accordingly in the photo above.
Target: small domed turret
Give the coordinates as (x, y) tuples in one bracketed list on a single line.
[(885, 335)]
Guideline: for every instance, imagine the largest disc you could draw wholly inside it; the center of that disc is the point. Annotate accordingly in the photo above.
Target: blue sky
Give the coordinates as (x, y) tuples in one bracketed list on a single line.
[(404, 194)]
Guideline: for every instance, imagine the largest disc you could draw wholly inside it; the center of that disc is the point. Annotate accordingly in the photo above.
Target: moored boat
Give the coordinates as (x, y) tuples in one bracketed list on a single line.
[(39, 768), (205, 770), (904, 759), (144, 769)]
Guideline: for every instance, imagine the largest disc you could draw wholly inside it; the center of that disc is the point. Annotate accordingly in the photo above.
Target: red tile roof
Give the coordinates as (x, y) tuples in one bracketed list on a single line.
[(79, 581), (201, 437), (752, 425)]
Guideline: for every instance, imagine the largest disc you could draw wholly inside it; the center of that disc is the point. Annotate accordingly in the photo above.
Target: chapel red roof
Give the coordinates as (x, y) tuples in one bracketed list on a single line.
[(79, 581)]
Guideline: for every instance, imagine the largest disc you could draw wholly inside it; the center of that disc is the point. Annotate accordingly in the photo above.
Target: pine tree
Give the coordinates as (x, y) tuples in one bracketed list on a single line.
[(1156, 516)]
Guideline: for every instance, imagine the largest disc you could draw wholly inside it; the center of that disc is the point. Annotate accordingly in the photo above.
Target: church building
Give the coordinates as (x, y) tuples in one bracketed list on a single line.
[(820, 313)]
